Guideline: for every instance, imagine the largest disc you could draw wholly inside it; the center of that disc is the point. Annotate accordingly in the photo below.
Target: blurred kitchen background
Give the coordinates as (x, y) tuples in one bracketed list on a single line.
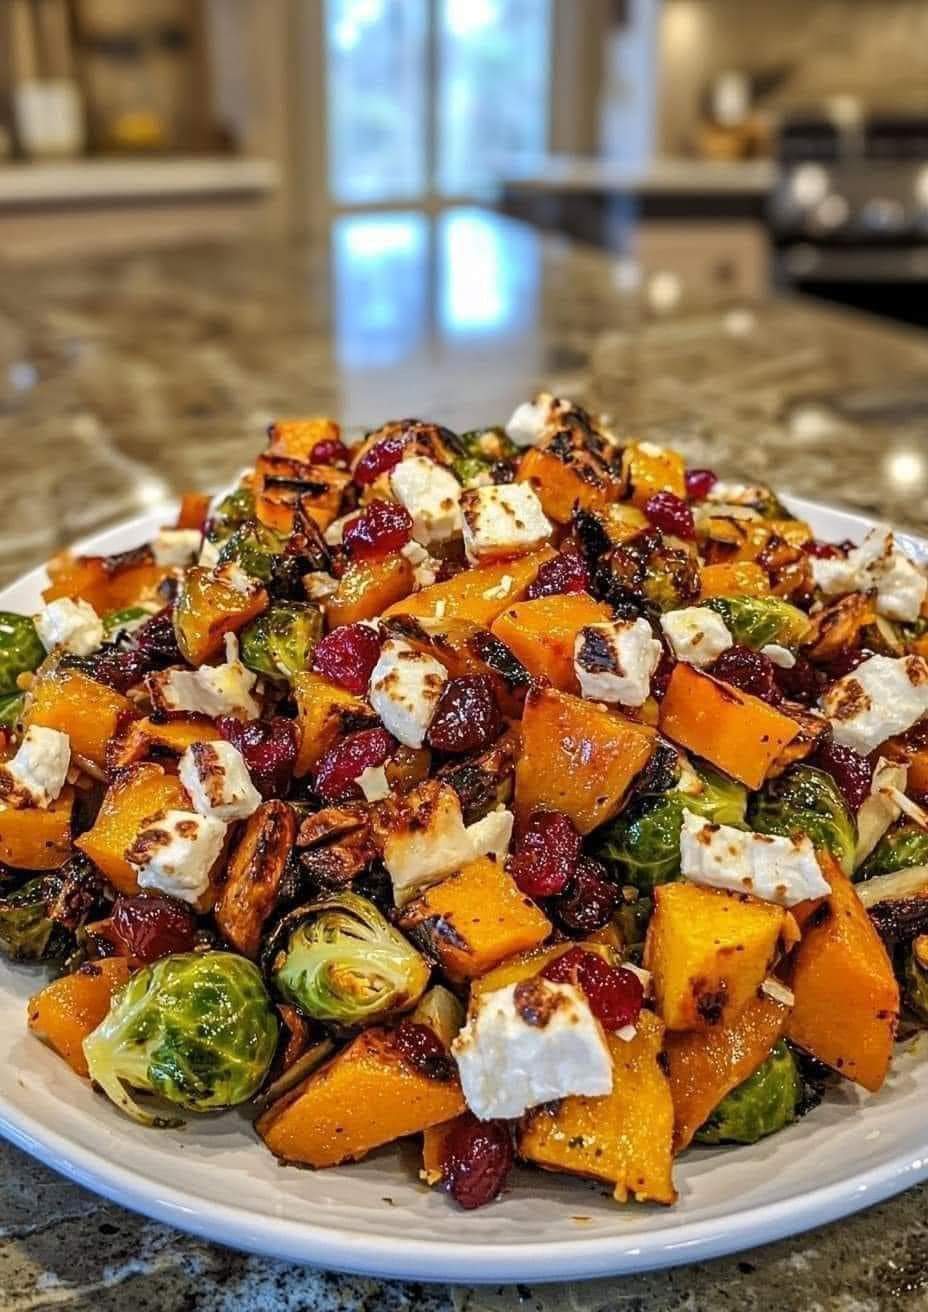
[(716, 147)]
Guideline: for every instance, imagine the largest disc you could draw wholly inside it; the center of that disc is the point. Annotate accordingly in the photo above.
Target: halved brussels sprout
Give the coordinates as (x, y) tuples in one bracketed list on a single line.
[(916, 976), (344, 962), (253, 547), (27, 931), (647, 570), (756, 621), (236, 508), (116, 622), (806, 801), (906, 844), (766, 1102), (281, 642), (197, 1029), (11, 709), (471, 471), (21, 650)]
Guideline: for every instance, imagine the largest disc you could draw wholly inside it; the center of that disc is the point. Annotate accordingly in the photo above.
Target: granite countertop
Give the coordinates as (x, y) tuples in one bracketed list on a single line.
[(124, 381), (677, 176)]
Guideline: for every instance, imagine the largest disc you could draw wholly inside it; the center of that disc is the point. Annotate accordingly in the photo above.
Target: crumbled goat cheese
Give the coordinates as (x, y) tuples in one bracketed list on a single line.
[(880, 698), (432, 497), (879, 564), (211, 690), (39, 770), (404, 689), (502, 520), (773, 868), (531, 420), (373, 783), (176, 852), (73, 625), (696, 634), (217, 780), (176, 546), (778, 655), (318, 585), (614, 661)]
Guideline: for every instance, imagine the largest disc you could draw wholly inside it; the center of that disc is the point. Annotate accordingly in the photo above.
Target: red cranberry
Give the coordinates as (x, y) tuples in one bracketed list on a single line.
[(449, 569), (800, 683), (157, 639), (615, 995), (826, 550), (748, 670), (699, 483), (846, 663), (852, 772), (424, 1051), (379, 459), (661, 676), (382, 528), (330, 452), (154, 927), (589, 899), (670, 514), (467, 716), (567, 572), (117, 668), (347, 656), (269, 748), (350, 756), (477, 1160), (546, 855)]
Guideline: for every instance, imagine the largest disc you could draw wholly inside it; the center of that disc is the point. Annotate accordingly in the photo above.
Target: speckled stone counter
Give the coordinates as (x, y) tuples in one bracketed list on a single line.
[(125, 381)]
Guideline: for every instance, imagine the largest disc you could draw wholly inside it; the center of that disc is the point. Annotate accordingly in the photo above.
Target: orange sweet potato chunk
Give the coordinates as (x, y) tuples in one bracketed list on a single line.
[(368, 588), (743, 578), (136, 794), (366, 1096), (207, 609), (542, 633), (479, 594), (577, 758), (560, 487), (105, 588), (34, 838), (648, 469), (296, 438), (89, 712), (739, 733), (66, 1011), (146, 735)]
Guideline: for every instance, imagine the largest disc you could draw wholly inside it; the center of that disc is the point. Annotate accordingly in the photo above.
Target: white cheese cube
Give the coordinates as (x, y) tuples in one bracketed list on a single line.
[(696, 634), (373, 783), (502, 520), (880, 698), (176, 546), (73, 625), (772, 868), (432, 497), (530, 1043), (530, 420), (176, 852), (209, 554), (492, 835), (217, 780), (404, 689), (39, 769), (736, 494), (879, 564), (880, 810), (614, 661), (211, 690)]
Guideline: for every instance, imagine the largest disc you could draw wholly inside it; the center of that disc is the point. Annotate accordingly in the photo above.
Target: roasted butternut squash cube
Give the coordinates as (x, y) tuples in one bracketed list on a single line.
[(739, 579), (146, 735), (525, 965), (366, 1096), (296, 438), (284, 482), (647, 469), (69, 1009), (563, 485), (475, 918), (542, 633), (105, 584), (479, 594), (577, 758), (323, 713), (368, 588), (34, 838), (740, 734), (194, 510), (136, 794), (847, 998), (709, 952), (625, 1137), (434, 1139), (704, 1066), (91, 713), (207, 609)]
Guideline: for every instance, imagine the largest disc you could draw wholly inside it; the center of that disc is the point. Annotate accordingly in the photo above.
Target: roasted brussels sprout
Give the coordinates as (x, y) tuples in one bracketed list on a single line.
[(344, 962), (805, 800), (647, 572), (477, 452), (116, 622), (906, 844), (642, 846), (916, 977), (197, 1029), (27, 931), (281, 642), (755, 621), (21, 651), (236, 508), (472, 471), (11, 709), (253, 547), (766, 1102)]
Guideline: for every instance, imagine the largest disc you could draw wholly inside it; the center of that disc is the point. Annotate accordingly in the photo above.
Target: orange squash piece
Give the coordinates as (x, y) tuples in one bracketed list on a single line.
[(542, 633), (89, 712), (136, 794), (368, 588), (69, 1009), (194, 508), (434, 1138), (323, 713), (479, 594), (34, 838), (207, 609), (847, 998), (525, 965), (577, 758), (476, 918), (284, 482), (561, 487), (743, 578), (625, 1137), (296, 438), (709, 952), (704, 1067), (740, 734), (91, 579), (366, 1096), (146, 735), (647, 469)]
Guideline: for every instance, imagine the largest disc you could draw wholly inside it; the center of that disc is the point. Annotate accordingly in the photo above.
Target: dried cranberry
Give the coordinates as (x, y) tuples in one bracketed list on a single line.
[(154, 927), (269, 748), (670, 514), (589, 899), (615, 995), (699, 483), (748, 670), (800, 683), (827, 550), (477, 1160), (567, 572), (350, 756), (846, 663), (424, 1051), (330, 452), (379, 459), (347, 656), (157, 639), (448, 569), (467, 716), (852, 772), (117, 668), (546, 855), (382, 528)]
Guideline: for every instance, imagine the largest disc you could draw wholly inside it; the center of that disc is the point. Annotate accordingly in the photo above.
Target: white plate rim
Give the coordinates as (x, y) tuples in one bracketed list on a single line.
[(338, 1248)]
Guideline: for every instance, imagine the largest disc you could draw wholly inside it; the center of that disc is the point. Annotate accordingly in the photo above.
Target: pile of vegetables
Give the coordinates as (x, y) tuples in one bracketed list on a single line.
[(442, 762)]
